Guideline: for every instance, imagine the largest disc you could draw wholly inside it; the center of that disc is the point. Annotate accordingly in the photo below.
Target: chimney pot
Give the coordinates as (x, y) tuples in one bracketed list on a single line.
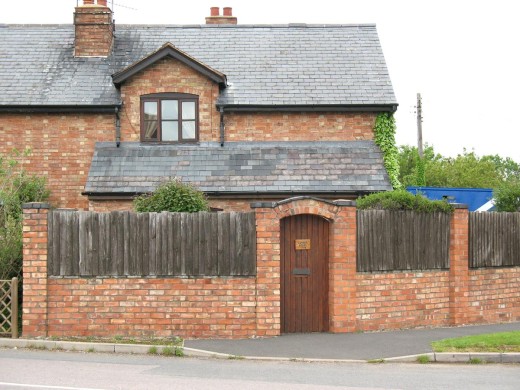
[(216, 18), (101, 3)]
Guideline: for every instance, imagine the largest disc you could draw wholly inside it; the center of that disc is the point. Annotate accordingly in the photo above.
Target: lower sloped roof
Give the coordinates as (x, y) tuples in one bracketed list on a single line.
[(239, 167)]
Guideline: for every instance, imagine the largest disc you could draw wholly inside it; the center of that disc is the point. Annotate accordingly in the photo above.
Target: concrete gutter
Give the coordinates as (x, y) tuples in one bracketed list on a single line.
[(461, 357), (56, 345), (80, 346)]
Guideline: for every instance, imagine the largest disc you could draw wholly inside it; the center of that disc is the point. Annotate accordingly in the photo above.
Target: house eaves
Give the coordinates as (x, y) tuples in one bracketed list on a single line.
[(310, 108), (61, 109)]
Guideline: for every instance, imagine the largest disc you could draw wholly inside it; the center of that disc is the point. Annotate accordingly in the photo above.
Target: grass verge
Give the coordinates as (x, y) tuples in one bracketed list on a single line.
[(492, 342)]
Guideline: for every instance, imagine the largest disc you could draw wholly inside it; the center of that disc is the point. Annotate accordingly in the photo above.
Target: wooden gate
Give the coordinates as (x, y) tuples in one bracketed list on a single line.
[(304, 281)]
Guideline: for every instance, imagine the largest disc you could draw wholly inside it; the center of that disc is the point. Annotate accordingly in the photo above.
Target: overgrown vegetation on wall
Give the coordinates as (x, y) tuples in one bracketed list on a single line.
[(384, 137), (173, 196), (16, 188), (402, 200)]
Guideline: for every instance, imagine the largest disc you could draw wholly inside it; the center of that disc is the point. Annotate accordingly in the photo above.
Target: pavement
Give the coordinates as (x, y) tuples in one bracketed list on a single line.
[(400, 345), (388, 346)]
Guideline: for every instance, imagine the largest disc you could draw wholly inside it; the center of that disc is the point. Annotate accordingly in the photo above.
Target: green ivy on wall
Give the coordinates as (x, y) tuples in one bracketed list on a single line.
[(384, 137)]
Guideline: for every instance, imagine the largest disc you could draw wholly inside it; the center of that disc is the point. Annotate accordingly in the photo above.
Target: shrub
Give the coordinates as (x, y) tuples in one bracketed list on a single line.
[(16, 188), (507, 197), (172, 196), (402, 200)]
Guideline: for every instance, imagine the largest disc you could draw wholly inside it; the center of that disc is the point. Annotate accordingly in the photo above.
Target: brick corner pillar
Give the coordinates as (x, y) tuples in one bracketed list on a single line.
[(459, 266), (34, 319), (343, 253), (267, 269)]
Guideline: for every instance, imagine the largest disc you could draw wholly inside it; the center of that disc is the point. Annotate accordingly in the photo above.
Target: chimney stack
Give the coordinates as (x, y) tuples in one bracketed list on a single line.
[(94, 29), (216, 18)]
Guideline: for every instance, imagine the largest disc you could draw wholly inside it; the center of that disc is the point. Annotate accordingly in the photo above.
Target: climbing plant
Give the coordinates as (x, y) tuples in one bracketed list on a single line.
[(384, 137)]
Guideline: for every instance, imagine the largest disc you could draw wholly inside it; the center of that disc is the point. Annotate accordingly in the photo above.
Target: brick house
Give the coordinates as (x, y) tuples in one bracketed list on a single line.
[(244, 112)]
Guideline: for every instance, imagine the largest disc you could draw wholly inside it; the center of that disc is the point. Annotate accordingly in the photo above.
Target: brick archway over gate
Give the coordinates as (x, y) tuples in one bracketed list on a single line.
[(341, 262)]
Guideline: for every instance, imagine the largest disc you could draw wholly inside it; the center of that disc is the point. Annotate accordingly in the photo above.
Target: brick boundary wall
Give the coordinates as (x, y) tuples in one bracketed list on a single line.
[(247, 307), (35, 292)]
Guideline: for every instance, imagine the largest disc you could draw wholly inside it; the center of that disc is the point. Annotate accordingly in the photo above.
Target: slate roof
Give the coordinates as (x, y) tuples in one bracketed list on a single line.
[(239, 167), (264, 64)]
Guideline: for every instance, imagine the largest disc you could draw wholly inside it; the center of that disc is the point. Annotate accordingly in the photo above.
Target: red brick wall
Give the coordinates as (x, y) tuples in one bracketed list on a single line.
[(61, 146), (402, 300), (494, 295), (300, 126), (104, 206), (200, 308)]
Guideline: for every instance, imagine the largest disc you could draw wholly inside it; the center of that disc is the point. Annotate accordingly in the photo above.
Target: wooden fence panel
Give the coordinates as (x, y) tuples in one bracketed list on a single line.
[(122, 243), (494, 239), (9, 307), (402, 240)]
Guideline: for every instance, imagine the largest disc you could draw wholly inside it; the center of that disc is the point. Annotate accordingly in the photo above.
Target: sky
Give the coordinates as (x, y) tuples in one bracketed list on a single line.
[(462, 56)]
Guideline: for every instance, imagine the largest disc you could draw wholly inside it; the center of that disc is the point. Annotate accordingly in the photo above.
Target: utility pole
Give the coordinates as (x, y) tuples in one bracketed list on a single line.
[(419, 126)]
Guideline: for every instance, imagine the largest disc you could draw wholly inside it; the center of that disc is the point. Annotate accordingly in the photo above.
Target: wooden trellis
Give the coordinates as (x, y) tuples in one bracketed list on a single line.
[(9, 307)]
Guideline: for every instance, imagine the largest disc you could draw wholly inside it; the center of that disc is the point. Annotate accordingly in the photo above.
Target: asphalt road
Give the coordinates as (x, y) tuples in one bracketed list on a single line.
[(25, 369)]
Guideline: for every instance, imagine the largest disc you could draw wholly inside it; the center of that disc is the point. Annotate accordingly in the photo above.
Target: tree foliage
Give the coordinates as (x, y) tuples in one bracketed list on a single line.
[(402, 200), (173, 196), (16, 187), (467, 170), (507, 196)]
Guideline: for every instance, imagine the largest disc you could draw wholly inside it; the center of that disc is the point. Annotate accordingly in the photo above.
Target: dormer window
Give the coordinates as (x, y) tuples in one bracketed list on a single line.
[(169, 117)]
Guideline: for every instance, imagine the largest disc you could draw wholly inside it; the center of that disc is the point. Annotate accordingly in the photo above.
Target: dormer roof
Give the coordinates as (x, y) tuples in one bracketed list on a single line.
[(168, 50)]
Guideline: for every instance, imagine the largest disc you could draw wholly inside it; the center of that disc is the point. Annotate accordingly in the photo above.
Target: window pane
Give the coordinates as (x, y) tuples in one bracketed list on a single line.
[(170, 130), (150, 130), (188, 130), (170, 109), (150, 111), (188, 110)]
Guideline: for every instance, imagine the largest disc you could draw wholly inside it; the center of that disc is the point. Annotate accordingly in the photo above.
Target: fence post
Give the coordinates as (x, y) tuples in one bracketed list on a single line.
[(459, 266), (14, 308), (35, 235)]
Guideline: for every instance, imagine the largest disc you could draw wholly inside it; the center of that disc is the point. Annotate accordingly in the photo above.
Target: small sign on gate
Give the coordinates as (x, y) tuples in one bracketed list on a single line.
[(302, 244)]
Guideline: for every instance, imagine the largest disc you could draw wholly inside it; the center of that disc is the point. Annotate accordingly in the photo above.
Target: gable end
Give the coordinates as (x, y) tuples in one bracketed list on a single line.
[(168, 50)]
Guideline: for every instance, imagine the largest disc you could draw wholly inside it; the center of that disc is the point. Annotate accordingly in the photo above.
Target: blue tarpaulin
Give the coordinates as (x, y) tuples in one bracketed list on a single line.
[(474, 198)]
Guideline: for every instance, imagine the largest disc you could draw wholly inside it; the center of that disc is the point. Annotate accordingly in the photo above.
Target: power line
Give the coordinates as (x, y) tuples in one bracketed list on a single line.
[(419, 126)]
